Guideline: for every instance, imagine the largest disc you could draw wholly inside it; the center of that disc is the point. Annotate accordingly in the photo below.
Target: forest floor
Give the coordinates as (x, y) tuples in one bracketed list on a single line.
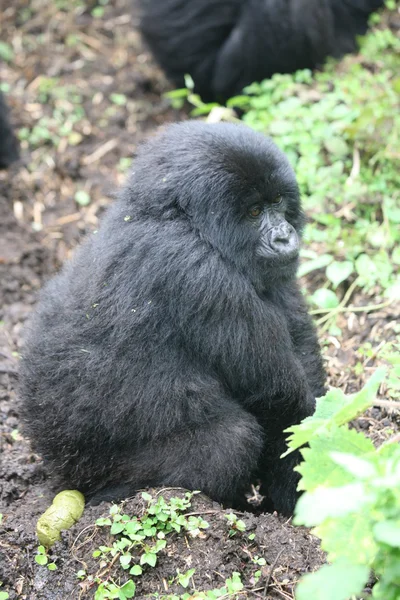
[(84, 92)]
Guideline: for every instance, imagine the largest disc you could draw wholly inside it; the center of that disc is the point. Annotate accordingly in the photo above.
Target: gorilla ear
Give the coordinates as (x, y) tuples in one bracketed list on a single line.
[(228, 69)]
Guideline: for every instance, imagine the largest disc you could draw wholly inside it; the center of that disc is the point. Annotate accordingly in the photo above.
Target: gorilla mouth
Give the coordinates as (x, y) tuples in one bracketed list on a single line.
[(276, 258)]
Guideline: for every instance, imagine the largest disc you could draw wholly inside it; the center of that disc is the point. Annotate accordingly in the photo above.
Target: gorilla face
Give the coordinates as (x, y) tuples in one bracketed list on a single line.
[(246, 203), (278, 240), (235, 188)]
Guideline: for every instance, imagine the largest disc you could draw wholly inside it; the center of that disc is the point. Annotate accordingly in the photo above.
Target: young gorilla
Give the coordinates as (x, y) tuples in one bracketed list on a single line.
[(175, 347), (8, 144), (225, 45)]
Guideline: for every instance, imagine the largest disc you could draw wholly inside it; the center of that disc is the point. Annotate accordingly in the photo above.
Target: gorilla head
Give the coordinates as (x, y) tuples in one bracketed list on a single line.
[(235, 187), (175, 347)]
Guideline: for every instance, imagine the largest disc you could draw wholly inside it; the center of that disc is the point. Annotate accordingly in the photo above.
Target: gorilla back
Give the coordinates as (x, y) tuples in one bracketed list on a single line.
[(9, 151), (227, 44), (175, 347)]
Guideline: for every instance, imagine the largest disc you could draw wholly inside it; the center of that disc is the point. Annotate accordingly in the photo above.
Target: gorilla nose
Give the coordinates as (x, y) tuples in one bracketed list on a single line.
[(284, 241)]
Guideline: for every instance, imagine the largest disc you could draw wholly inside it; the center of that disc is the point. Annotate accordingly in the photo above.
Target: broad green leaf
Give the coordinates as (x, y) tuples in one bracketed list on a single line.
[(82, 198), (136, 570), (324, 298), (148, 558), (337, 271), (129, 589), (234, 584), (322, 503), (318, 468), (334, 409), (362, 400), (333, 582), (336, 146), (326, 408), (312, 265), (125, 560), (6, 52), (117, 528), (329, 405), (302, 433), (359, 468), (348, 538), (388, 532), (184, 578)]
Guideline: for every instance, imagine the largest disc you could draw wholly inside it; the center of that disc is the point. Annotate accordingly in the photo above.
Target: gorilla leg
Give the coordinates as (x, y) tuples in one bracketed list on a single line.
[(279, 480), (218, 458)]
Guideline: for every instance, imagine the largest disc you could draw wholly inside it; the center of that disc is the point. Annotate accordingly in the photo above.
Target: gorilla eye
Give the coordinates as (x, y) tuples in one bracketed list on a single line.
[(277, 200), (255, 211)]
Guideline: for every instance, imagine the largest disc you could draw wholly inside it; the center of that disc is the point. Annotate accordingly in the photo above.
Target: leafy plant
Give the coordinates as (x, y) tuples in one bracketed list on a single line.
[(235, 523), (42, 559), (140, 539), (351, 498)]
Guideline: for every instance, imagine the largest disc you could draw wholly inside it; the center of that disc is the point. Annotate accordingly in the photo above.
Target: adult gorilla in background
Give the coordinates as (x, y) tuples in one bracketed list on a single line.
[(175, 347), (8, 144), (227, 44)]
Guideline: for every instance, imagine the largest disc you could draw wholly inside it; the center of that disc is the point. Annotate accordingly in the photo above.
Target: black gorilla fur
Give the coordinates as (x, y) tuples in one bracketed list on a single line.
[(225, 45), (175, 347), (8, 143)]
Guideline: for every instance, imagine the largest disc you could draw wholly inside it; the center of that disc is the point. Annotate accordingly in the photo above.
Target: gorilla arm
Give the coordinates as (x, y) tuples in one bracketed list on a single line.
[(242, 338)]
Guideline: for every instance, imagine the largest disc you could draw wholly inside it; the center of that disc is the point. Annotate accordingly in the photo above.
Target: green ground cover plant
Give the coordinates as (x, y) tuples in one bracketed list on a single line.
[(352, 496)]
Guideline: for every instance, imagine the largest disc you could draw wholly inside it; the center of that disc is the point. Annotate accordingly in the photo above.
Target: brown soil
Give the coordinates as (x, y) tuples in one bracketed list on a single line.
[(40, 223)]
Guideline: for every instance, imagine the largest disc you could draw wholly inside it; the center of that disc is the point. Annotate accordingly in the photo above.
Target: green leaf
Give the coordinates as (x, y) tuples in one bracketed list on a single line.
[(125, 560), (102, 522), (337, 271), (349, 538), (333, 582), (129, 589), (148, 558), (312, 265), (52, 566), (318, 467), (362, 400), (160, 545), (334, 409), (6, 52), (184, 578), (337, 147), (359, 468), (4, 596), (41, 559), (82, 198), (117, 527), (388, 532), (324, 298), (136, 570), (147, 497), (119, 99), (234, 584), (314, 507)]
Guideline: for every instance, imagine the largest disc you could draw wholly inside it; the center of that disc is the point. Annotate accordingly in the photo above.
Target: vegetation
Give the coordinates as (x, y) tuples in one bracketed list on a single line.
[(351, 496)]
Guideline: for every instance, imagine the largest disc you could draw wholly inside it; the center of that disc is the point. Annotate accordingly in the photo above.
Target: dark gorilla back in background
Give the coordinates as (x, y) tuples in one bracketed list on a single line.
[(175, 347), (8, 143), (227, 44)]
